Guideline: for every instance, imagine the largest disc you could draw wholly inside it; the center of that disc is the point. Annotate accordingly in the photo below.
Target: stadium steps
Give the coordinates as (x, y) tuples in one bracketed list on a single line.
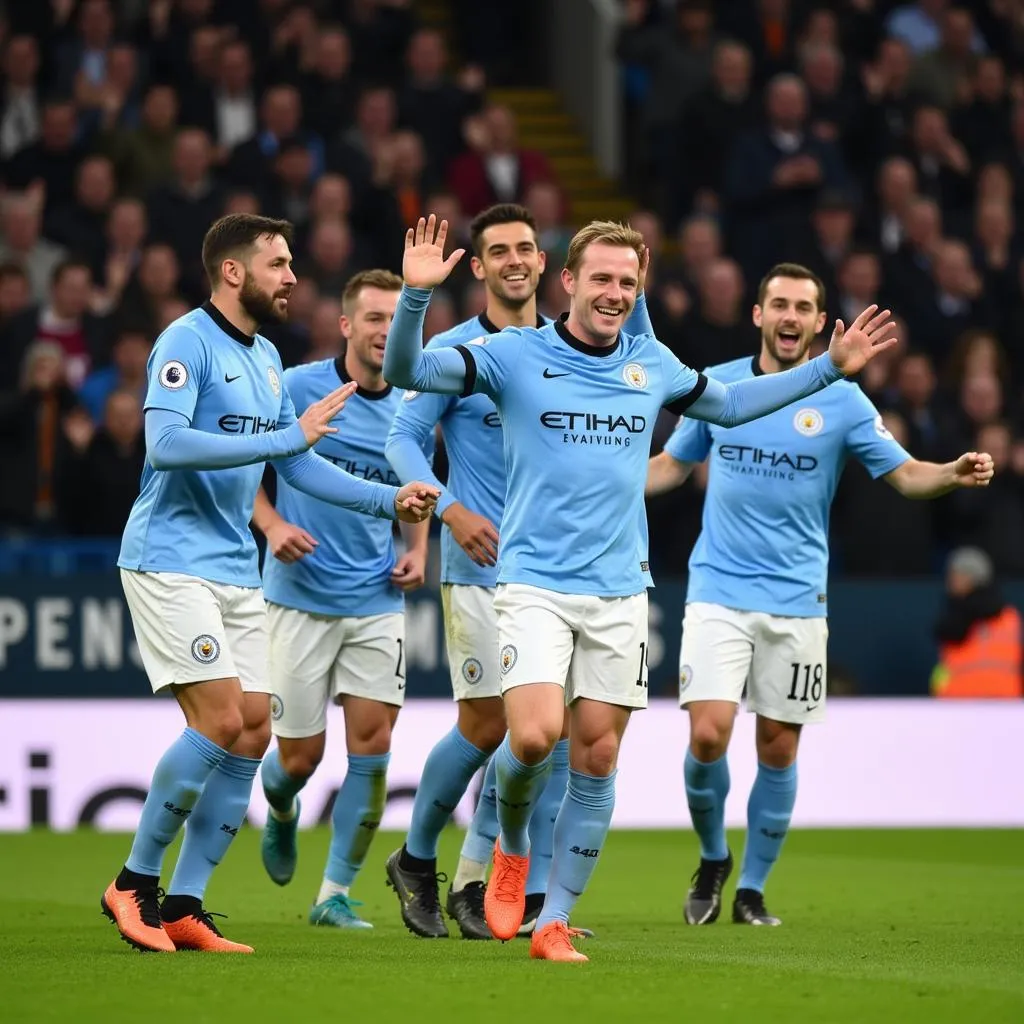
[(544, 125)]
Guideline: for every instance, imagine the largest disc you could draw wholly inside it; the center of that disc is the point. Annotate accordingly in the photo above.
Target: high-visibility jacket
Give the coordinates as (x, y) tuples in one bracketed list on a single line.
[(988, 662)]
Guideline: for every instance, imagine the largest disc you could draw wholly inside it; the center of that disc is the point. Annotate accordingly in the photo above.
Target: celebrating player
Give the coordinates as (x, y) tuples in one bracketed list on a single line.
[(577, 400), (215, 412), (756, 602), (334, 591), (506, 258)]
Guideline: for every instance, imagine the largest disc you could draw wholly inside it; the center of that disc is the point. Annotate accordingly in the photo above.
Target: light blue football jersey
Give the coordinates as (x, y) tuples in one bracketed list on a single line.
[(476, 462), (763, 544), (576, 423), (224, 382), (349, 572)]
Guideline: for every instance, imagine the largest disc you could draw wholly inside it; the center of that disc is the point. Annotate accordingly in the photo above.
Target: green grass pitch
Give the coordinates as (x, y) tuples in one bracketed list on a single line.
[(879, 926)]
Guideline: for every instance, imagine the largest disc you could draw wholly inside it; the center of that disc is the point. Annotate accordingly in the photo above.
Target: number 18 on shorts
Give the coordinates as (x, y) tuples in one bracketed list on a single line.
[(781, 660)]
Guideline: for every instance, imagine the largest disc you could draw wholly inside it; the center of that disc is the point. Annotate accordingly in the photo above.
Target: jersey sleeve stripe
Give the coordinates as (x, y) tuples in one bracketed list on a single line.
[(470, 370), (680, 405)]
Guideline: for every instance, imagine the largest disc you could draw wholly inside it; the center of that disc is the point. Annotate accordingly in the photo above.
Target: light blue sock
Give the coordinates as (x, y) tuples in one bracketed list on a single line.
[(483, 829), (358, 808), (447, 774), (542, 823), (279, 787), (519, 787), (580, 830), (707, 785), (215, 821), (178, 780), (768, 812)]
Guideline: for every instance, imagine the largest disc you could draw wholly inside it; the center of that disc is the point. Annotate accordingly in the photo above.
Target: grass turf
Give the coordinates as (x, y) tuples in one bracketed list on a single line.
[(882, 926)]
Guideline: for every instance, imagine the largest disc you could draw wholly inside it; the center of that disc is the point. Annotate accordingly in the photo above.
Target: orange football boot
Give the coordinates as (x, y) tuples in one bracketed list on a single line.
[(554, 942), (198, 932), (505, 899), (136, 912)]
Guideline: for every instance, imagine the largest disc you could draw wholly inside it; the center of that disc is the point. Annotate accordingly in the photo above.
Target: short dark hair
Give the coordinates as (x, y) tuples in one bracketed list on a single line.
[(12, 270), (502, 213), (234, 236), (384, 280), (73, 263), (795, 272)]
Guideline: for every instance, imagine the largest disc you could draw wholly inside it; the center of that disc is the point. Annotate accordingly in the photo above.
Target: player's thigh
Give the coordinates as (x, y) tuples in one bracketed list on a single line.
[(609, 663), (371, 663), (471, 639), (790, 669), (302, 651), (716, 654), (536, 636), (245, 626), (179, 628)]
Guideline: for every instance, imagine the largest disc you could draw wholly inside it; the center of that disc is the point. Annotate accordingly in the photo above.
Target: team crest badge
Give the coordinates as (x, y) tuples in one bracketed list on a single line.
[(275, 381), (472, 671), (205, 649), (808, 422), (685, 677), (634, 375), (173, 375), (509, 657), (276, 707)]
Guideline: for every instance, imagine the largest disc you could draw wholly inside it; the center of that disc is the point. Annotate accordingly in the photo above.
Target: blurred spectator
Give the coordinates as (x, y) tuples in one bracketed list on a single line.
[(80, 226), (977, 353), (942, 164), (984, 123), (858, 284), (21, 244), (113, 101), (65, 321), (434, 105), (890, 103), (329, 262), (909, 269), (233, 109), (144, 156), (707, 128), (32, 443), (82, 62), (182, 210), (324, 332), (775, 173), (354, 152), (155, 281), (15, 297), (126, 373), (832, 227), (699, 243), (544, 200), (769, 32), (916, 402), (883, 224), (919, 25), (942, 75), (719, 329), (20, 111), (328, 88), (401, 169), (288, 191), (51, 160), (441, 318), (995, 253), (99, 480), (497, 169), (380, 33), (832, 108), (981, 645)]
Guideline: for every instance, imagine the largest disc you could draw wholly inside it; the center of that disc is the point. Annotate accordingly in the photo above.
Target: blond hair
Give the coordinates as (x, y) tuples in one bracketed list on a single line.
[(604, 232), (382, 279)]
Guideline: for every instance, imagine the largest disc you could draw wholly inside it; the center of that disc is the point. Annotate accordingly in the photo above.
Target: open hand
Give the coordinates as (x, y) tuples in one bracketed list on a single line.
[(424, 265), (872, 332), (315, 421)]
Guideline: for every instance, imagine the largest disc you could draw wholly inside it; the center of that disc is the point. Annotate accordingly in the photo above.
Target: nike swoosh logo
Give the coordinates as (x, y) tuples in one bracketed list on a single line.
[(548, 375), (811, 707), (228, 380)]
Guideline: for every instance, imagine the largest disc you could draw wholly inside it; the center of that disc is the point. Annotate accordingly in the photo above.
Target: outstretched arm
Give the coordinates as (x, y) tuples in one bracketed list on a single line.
[(729, 405), (923, 480), (405, 363), (322, 479)]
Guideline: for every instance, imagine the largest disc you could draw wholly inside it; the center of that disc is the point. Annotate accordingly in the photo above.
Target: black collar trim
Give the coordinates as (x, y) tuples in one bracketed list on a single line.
[(601, 351), (370, 396), (226, 325), (492, 328), (755, 366)]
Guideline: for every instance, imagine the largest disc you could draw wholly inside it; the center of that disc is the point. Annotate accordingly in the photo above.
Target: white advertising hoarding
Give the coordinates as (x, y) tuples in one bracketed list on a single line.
[(873, 763)]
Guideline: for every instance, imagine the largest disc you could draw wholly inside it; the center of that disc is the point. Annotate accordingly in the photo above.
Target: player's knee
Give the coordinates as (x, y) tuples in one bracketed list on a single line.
[(255, 738), (371, 740), (599, 758), (708, 740), (300, 763), (779, 751), (223, 725), (532, 743), (487, 734)]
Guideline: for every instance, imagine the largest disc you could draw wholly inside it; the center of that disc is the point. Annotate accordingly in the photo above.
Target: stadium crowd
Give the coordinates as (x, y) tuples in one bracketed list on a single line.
[(880, 144)]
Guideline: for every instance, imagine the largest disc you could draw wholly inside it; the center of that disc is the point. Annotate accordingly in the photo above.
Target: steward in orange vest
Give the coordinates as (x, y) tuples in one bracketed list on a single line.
[(980, 635)]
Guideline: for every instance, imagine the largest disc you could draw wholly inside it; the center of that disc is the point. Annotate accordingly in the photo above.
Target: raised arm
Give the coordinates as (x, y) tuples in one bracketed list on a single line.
[(923, 480), (729, 405), (406, 365)]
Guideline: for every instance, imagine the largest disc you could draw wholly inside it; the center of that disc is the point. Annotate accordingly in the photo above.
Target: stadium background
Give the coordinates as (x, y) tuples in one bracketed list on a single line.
[(126, 128)]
